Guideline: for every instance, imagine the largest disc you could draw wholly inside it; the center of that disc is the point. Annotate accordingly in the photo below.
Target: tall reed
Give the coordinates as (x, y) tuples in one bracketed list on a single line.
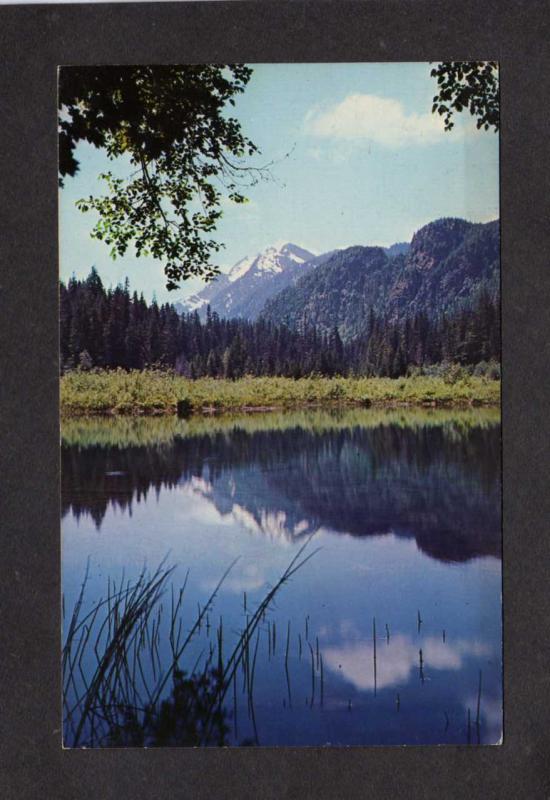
[(127, 675)]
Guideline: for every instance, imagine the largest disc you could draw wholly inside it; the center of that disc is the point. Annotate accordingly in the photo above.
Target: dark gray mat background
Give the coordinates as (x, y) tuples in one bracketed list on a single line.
[(33, 41)]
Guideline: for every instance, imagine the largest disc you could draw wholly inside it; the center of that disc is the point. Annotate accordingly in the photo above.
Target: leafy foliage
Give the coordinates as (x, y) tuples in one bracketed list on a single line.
[(183, 149), (470, 85)]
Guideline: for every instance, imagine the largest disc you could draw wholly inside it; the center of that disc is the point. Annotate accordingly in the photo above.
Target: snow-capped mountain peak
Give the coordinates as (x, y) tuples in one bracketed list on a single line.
[(244, 290), (272, 259), (240, 268)]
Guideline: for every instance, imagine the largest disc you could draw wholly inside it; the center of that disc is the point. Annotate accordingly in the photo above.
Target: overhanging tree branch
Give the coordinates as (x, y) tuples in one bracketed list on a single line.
[(471, 86), (173, 117)]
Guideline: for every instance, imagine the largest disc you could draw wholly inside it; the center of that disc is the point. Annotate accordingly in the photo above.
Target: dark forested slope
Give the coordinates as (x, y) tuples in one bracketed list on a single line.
[(450, 264)]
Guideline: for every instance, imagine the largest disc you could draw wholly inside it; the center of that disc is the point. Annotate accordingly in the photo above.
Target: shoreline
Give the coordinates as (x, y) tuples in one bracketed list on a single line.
[(217, 411), (159, 393), (207, 400), (143, 430)]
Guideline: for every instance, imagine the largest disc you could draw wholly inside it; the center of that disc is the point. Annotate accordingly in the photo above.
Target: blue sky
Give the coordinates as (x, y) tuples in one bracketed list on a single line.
[(368, 164)]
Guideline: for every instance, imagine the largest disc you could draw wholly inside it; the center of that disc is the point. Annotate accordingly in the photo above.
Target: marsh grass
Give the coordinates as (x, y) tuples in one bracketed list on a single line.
[(131, 678), (119, 691), (156, 392)]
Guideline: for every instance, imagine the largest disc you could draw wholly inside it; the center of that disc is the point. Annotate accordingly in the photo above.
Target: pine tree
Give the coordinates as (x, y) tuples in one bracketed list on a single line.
[(117, 329)]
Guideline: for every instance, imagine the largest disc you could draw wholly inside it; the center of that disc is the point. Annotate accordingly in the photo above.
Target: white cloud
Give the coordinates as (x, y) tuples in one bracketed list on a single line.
[(377, 119), (396, 661)]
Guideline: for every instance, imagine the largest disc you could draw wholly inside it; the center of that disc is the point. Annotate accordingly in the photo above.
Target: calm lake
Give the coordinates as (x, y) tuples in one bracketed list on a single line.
[(389, 634)]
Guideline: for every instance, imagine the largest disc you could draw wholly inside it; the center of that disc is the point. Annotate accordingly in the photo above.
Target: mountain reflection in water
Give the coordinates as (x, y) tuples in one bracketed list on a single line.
[(390, 634), (434, 478)]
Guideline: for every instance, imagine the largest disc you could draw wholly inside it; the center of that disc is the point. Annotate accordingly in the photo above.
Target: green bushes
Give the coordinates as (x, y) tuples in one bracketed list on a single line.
[(487, 369), (451, 372), (160, 392)]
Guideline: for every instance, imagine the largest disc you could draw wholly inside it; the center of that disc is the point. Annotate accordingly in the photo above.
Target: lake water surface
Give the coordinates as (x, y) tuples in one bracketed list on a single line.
[(389, 634)]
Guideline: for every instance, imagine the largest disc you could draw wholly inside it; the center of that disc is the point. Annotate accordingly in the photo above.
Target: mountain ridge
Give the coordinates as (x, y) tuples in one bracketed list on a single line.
[(449, 263), (253, 281), (243, 290)]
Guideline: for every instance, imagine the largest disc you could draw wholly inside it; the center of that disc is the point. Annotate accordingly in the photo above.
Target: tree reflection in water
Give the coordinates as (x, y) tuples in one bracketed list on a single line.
[(190, 716), (435, 478), (214, 488)]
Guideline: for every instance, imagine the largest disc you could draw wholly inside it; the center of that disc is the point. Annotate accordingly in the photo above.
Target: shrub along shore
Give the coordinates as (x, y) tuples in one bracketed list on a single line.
[(156, 392)]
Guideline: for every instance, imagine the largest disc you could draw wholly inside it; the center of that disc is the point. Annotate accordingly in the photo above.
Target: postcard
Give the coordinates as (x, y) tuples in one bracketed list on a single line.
[(280, 369)]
